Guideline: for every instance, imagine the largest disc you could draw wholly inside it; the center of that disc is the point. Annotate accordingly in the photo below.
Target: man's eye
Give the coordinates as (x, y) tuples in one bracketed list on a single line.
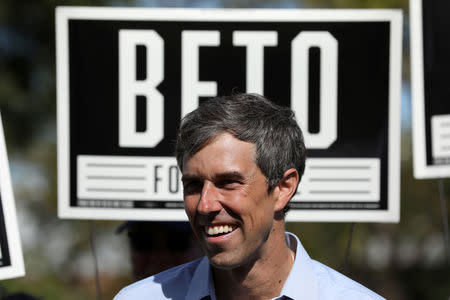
[(193, 186), (228, 183)]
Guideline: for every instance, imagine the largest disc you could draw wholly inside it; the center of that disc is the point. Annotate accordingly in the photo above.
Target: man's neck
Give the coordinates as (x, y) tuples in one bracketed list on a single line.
[(263, 278)]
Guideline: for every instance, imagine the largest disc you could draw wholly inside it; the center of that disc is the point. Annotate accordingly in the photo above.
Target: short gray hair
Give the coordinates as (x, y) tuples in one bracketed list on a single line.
[(251, 118)]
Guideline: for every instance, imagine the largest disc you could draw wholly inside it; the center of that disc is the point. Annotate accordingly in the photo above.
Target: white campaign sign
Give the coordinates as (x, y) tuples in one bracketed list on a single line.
[(15, 266), (429, 88), (112, 168)]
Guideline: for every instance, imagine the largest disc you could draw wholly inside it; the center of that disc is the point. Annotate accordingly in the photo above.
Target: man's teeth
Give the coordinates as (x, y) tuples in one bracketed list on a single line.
[(213, 230)]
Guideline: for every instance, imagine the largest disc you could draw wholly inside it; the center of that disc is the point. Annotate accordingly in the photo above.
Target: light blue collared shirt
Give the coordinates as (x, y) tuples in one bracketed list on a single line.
[(308, 280)]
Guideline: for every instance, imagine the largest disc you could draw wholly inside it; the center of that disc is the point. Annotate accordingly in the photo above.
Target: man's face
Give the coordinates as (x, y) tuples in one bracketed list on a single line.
[(227, 202)]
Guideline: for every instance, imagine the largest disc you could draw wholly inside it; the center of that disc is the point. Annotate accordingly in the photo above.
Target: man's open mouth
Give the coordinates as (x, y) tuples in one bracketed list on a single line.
[(219, 229)]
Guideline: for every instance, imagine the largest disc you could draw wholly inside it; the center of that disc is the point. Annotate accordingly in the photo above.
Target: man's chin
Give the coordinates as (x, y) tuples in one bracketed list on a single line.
[(222, 265), (224, 261)]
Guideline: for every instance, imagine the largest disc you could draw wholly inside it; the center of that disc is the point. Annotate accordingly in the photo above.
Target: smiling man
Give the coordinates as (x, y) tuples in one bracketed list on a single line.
[(242, 158)]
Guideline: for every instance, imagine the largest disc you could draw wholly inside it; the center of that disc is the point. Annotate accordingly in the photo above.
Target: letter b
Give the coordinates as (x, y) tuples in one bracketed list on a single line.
[(130, 88)]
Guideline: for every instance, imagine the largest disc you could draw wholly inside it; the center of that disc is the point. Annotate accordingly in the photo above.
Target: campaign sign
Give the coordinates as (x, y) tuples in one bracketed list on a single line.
[(11, 257), (430, 70), (126, 76)]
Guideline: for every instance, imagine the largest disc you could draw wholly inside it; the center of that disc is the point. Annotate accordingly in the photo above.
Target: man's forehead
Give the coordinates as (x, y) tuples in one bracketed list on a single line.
[(188, 154), (222, 150)]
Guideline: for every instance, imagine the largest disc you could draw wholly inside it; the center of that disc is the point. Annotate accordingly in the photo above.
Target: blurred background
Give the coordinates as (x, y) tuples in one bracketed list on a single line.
[(399, 261)]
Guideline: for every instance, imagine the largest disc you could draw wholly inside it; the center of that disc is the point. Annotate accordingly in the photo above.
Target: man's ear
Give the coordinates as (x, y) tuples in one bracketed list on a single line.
[(286, 188)]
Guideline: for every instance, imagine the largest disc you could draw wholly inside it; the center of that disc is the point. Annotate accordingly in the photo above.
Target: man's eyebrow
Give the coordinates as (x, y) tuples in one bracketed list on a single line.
[(187, 177), (236, 175)]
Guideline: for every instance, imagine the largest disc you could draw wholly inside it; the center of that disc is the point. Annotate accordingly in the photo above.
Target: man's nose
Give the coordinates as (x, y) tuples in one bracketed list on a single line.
[(209, 199)]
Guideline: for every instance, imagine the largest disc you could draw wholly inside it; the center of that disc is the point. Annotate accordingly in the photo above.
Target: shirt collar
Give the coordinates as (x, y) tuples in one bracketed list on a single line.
[(201, 283), (301, 282)]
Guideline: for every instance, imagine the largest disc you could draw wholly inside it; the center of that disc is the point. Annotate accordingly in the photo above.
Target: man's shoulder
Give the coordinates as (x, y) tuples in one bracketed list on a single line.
[(169, 284), (338, 286)]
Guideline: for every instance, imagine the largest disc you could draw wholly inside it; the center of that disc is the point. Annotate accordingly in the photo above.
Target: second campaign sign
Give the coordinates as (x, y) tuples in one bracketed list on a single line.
[(126, 76), (430, 63)]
